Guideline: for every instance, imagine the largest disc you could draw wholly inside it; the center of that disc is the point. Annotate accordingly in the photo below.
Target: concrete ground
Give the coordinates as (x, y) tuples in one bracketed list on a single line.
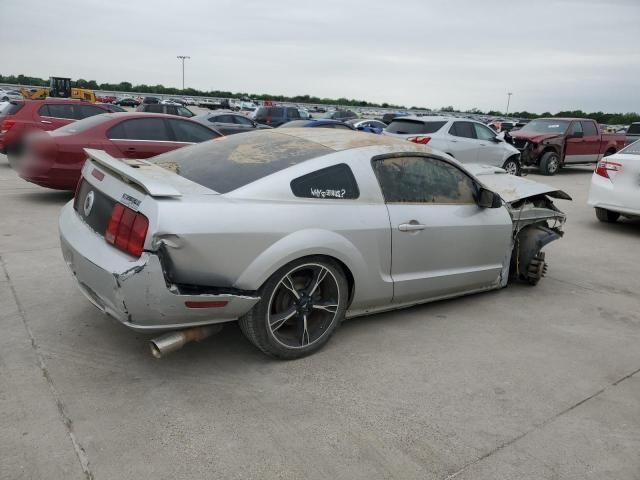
[(525, 383)]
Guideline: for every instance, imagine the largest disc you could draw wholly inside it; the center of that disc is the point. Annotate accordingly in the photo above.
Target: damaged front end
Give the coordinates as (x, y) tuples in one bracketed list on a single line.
[(536, 220)]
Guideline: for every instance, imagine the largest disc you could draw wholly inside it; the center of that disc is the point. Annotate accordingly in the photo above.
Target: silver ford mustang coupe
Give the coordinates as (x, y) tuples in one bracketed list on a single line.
[(290, 231)]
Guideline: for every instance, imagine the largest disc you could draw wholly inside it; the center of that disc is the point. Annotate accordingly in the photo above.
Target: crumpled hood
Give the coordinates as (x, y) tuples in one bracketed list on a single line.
[(510, 187), (534, 136)]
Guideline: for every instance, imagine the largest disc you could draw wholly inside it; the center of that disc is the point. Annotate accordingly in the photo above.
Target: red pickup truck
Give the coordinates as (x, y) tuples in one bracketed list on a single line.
[(552, 143)]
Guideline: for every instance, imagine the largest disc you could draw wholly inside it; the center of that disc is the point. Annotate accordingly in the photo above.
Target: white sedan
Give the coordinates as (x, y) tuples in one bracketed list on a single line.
[(465, 140), (615, 185)]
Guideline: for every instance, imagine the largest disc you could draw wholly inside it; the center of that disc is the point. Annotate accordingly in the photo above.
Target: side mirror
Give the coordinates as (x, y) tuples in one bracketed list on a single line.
[(577, 135), (497, 140), (489, 199)]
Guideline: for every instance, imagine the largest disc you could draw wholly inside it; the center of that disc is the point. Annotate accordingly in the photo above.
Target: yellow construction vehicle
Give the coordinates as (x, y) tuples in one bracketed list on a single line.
[(59, 87)]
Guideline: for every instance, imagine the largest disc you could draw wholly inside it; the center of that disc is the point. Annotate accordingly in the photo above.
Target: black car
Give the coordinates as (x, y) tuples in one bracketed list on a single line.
[(127, 102), (178, 110), (150, 100), (229, 123), (276, 116)]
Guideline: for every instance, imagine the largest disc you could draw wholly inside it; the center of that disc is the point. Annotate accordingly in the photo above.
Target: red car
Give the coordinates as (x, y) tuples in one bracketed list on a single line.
[(18, 118), (54, 159)]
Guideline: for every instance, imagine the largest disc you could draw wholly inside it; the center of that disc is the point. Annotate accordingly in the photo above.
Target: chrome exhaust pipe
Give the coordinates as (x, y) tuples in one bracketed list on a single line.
[(172, 341)]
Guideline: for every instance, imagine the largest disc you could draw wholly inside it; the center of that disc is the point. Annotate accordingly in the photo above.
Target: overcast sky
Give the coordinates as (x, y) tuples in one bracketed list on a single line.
[(552, 54)]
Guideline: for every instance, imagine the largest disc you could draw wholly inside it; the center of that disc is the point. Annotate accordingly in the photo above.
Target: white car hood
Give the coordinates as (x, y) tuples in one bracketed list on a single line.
[(510, 187)]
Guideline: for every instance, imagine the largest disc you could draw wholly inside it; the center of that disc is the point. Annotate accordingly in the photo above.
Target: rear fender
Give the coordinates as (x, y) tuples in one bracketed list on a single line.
[(297, 245)]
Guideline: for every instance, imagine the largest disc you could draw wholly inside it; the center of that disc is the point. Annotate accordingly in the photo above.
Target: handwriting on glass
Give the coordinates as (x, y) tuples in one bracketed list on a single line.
[(329, 193)]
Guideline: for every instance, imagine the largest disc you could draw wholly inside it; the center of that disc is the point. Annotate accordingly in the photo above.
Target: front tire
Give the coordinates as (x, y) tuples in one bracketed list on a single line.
[(512, 166), (550, 163), (607, 216), (301, 307)]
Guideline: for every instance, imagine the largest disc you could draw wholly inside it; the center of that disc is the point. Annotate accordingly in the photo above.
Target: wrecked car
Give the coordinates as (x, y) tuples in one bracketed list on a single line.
[(291, 231)]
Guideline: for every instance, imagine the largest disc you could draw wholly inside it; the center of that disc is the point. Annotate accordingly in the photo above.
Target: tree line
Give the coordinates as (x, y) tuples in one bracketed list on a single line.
[(600, 117)]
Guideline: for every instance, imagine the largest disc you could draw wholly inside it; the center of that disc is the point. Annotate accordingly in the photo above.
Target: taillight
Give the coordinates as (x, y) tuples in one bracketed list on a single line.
[(7, 125), (127, 230), (605, 166), (422, 140)]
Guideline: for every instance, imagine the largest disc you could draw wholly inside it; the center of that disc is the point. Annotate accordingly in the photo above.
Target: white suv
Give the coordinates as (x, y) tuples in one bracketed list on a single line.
[(466, 140)]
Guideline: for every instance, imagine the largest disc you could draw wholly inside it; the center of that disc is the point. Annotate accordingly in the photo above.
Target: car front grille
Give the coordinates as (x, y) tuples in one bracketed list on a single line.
[(520, 143)]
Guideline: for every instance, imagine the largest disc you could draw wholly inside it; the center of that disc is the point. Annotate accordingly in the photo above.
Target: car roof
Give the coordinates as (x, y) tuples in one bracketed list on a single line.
[(439, 118), (337, 140)]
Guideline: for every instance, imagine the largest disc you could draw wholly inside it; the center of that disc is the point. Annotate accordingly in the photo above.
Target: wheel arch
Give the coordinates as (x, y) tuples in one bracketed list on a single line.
[(295, 246)]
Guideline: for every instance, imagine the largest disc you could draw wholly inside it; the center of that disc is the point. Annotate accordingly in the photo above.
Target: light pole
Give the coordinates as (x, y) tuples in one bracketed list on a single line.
[(508, 100), (183, 58)]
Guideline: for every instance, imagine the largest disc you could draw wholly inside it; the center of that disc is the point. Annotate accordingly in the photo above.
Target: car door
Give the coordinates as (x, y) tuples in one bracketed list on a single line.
[(187, 132), (243, 124), (461, 142), (224, 124), (575, 145), (591, 139), (142, 137), (52, 116), (443, 243), (490, 151)]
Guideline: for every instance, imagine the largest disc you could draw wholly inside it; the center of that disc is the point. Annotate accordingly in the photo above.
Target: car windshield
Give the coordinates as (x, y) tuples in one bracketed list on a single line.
[(231, 162), (633, 149), (407, 126), (84, 125), (634, 129), (546, 126)]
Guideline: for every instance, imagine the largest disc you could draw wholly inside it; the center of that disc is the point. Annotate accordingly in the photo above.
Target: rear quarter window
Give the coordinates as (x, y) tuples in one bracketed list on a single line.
[(634, 129), (10, 108), (335, 182)]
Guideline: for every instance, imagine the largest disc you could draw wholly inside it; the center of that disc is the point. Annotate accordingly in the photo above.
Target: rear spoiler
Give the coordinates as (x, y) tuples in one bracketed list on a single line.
[(151, 185)]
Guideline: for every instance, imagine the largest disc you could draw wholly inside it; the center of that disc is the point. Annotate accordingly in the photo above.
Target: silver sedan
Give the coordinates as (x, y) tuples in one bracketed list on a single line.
[(290, 232)]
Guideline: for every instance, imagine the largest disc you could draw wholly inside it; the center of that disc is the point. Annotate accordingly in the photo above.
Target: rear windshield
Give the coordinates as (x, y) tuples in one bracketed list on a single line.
[(634, 128), (633, 149), (232, 162), (85, 124), (10, 108), (413, 126)]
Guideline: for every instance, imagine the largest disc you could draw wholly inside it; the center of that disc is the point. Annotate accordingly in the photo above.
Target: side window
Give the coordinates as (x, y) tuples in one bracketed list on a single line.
[(153, 129), (171, 109), (88, 111), (191, 132), (589, 129), (484, 133), (463, 129), (293, 114), (153, 108), (331, 182), (61, 111), (576, 127), (243, 120), (184, 112), (423, 180), (43, 111), (222, 119)]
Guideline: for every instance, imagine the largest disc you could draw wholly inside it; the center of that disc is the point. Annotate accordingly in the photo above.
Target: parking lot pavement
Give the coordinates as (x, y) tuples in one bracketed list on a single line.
[(525, 383)]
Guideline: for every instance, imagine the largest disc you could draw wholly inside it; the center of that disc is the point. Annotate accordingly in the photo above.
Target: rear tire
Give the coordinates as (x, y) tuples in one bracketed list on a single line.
[(301, 307), (550, 163), (606, 216)]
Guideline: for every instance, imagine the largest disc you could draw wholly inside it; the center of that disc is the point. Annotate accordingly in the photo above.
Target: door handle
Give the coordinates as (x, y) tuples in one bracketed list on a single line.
[(45, 121), (453, 141), (412, 226), (131, 149)]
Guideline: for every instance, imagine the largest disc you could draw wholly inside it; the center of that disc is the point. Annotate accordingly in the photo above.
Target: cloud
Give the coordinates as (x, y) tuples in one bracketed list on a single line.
[(552, 54)]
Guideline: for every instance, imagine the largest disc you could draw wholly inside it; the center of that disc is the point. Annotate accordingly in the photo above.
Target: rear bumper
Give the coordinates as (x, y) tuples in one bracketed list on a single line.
[(604, 194), (134, 291)]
